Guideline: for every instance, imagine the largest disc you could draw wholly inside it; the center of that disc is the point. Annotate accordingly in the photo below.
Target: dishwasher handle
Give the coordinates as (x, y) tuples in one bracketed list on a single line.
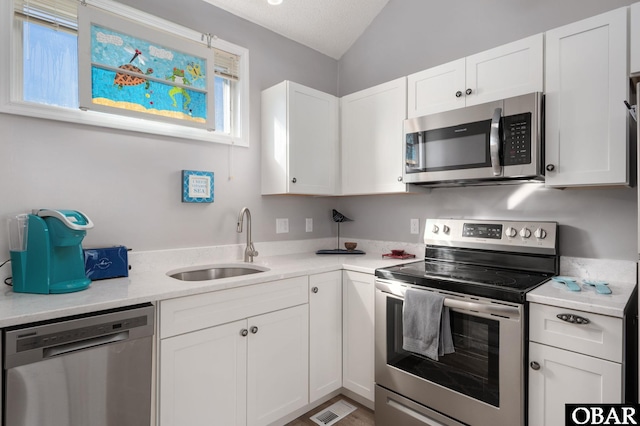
[(67, 348)]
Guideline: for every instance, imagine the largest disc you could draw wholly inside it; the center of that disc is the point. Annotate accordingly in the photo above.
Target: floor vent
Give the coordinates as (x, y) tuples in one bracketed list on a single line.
[(333, 414)]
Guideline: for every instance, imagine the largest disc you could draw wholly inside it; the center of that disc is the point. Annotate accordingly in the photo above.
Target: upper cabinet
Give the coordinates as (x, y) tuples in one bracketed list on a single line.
[(586, 75), (299, 141), (634, 37), (371, 136), (505, 71)]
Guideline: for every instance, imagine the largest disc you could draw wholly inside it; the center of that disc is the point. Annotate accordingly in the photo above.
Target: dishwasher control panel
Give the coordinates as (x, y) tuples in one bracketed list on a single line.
[(33, 340)]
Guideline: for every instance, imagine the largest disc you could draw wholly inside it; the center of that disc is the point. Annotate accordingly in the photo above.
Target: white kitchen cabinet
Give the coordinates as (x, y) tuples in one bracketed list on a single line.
[(204, 375), (325, 334), (634, 37), (372, 139), (237, 356), (572, 362), (278, 364), (358, 333), (510, 70), (300, 141), (586, 75)]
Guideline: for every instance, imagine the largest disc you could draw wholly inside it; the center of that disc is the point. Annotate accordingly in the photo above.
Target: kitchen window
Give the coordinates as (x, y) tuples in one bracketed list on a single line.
[(173, 81)]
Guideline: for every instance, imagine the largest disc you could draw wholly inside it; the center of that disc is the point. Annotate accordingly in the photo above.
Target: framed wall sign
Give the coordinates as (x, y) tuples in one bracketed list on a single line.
[(197, 186)]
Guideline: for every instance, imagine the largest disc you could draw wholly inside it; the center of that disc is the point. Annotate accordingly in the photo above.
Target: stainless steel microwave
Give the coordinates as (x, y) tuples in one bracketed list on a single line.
[(496, 142)]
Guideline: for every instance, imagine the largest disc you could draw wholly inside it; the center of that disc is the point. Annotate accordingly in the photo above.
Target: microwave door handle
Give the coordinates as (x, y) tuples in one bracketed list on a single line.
[(494, 142), (421, 154)]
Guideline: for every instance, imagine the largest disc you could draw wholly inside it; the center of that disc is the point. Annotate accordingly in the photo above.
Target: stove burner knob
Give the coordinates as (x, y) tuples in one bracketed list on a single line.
[(510, 232), (435, 229), (525, 233), (540, 234), (445, 229)]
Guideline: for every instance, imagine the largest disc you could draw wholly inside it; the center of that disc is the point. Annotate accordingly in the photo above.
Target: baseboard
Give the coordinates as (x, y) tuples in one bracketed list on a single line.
[(357, 398), (299, 412)]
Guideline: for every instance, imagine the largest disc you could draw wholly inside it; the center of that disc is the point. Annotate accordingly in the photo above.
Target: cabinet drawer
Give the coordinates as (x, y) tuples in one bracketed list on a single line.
[(199, 311), (602, 337)]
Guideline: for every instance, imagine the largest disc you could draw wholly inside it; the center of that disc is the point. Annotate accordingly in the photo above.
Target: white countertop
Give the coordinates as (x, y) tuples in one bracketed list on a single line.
[(147, 284), (586, 300)]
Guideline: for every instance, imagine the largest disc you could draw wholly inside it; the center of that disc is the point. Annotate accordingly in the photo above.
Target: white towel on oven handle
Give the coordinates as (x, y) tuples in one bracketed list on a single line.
[(426, 326)]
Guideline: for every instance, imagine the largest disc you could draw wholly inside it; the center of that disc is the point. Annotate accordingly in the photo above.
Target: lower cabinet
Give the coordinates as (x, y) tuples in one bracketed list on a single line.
[(251, 371), (566, 377), (574, 357), (325, 334), (358, 333)]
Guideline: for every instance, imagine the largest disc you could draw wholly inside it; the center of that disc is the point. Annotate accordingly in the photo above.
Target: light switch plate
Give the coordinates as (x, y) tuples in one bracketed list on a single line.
[(282, 226), (308, 224), (415, 226)]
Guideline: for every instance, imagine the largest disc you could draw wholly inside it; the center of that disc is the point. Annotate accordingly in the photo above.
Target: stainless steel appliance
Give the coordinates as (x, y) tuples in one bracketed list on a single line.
[(496, 142), (484, 269), (91, 370)]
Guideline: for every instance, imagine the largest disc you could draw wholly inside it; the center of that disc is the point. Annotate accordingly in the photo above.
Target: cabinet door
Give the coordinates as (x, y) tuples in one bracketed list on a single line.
[(436, 89), (566, 377), (313, 141), (203, 377), (299, 140), (325, 334), (278, 364), (634, 37), (372, 139), (358, 333), (586, 84), (510, 70)]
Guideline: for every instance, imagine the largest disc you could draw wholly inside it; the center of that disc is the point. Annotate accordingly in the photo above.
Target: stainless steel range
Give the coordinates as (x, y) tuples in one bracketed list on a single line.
[(484, 270)]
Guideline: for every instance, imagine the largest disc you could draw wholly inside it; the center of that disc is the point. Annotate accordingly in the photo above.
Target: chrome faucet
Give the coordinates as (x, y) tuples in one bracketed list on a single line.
[(250, 251)]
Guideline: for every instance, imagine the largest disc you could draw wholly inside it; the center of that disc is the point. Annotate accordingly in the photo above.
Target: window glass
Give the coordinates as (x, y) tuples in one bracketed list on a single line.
[(50, 66)]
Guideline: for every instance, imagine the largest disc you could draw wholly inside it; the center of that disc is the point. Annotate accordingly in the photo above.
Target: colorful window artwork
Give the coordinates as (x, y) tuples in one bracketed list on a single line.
[(143, 72), (134, 74)]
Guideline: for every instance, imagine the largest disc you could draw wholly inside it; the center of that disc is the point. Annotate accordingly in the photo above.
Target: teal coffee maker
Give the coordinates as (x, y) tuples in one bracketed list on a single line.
[(46, 251)]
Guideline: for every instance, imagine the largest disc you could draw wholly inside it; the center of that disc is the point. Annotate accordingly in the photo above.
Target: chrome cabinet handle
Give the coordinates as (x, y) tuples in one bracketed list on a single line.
[(399, 178), (494, 142), (254, 329), (550, 167), (535, 366), (573, 319), (314, 289), (468, 91), (244, 332), (458, 94), (294, 180)]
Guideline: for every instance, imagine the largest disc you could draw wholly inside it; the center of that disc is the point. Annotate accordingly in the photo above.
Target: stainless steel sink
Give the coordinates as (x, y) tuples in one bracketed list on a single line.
[(216, 272)]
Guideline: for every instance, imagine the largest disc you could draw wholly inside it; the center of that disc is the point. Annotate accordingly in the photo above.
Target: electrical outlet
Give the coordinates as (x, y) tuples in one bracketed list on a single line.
[(308, 224), (282, 226), (415, 226)]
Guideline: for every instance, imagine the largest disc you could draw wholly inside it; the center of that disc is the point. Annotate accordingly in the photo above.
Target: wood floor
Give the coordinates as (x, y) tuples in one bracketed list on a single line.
[(361, 417)]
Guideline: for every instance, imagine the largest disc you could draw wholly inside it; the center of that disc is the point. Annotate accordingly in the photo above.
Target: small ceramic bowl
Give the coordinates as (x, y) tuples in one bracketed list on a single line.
[(350, 245)]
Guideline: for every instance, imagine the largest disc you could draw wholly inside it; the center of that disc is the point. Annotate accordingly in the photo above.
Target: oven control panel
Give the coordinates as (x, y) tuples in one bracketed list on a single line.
[(524, 236)]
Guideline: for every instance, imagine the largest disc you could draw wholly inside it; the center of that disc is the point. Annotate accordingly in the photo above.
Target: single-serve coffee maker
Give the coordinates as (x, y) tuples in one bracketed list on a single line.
[(46, 251)]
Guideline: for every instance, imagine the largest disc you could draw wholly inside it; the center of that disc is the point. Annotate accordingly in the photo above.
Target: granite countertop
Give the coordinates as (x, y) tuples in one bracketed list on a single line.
[(586, 300), (147, 283)]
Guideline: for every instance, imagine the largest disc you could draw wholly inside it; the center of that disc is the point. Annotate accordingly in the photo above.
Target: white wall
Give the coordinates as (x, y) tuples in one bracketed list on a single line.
[(129, 183), (412, 35)]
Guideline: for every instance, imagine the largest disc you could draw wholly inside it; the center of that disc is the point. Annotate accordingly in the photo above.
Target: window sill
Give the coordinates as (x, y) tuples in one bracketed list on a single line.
[(93, 118)]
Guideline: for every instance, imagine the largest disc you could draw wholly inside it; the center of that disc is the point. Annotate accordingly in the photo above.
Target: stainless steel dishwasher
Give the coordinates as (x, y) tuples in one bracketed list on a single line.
[(90, 370)]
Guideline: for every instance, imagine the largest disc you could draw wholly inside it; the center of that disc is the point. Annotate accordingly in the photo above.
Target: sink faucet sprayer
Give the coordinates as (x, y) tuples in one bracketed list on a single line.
[(250, 251)]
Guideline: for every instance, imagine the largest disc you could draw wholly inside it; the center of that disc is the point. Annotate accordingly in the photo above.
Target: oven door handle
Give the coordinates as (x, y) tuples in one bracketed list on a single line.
[(398, 290), (485, 308)]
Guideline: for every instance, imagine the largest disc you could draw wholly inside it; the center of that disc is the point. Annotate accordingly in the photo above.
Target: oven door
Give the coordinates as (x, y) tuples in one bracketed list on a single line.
[(482, 383)]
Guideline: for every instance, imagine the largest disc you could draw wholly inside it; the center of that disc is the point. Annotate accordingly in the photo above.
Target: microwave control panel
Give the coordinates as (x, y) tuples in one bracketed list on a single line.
[(517, 139)]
